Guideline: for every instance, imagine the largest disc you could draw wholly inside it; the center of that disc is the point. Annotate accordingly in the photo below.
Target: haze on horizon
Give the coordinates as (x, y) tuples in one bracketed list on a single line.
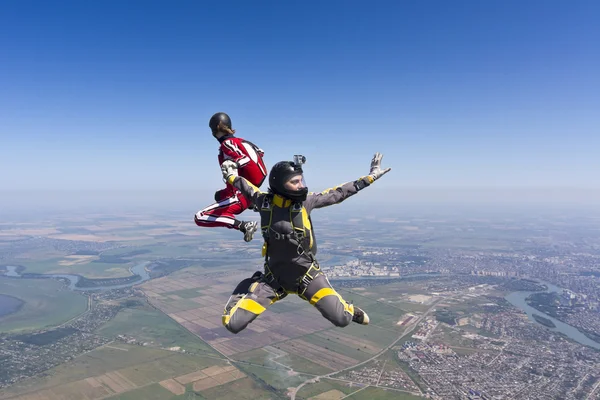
[(38, 205)]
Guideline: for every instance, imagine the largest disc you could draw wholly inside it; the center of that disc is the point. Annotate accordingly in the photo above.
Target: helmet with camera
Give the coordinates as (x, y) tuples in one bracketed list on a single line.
[(284, 171)]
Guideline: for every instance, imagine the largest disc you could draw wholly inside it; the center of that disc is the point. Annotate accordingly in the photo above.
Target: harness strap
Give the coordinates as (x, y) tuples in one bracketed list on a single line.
[(272, 234), (307, 278), (297, 235), (270, 280)]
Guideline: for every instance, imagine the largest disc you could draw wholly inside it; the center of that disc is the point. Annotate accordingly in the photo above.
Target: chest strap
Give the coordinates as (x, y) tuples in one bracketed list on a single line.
[(297, 237)]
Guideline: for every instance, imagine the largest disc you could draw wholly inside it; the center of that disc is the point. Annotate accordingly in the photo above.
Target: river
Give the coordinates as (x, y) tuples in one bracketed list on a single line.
[(518, 300), (515, 298), (138, 269)]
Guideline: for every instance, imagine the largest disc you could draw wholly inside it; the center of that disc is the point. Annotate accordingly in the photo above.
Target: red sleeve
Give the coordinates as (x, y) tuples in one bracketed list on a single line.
[(233, 151)]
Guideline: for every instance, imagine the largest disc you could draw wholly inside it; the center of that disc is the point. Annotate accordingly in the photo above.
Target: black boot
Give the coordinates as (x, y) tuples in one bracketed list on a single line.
[(360, 317)]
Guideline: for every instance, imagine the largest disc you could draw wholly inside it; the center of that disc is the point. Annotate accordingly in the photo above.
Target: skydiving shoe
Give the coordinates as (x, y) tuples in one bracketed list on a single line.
[(360, 317), (249, 228)]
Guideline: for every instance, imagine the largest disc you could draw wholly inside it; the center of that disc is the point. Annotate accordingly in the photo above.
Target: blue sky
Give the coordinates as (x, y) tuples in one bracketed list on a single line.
[(116, 96)]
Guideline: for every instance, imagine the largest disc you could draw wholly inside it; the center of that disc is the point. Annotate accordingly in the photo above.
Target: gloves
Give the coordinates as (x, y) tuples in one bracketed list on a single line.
[(228, 168), (376, 172)]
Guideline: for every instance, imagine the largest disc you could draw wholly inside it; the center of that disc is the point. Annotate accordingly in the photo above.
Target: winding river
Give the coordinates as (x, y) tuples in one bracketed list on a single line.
[(137, 270), (517, 299)]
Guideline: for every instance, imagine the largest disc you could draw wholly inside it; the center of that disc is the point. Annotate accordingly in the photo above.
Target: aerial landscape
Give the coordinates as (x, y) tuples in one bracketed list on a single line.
[(284, 200), (461, 307)]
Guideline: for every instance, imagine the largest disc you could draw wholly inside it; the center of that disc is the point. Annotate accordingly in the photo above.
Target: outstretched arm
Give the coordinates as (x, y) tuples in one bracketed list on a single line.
[(251, 192), (340, 193), (336, 194)]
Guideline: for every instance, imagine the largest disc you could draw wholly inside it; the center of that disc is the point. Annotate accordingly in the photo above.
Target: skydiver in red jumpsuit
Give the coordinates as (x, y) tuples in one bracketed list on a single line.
[(229, 201)]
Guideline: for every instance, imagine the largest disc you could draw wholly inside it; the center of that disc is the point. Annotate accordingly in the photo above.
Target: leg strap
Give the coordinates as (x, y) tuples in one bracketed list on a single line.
[(270, 280), (307, 278)]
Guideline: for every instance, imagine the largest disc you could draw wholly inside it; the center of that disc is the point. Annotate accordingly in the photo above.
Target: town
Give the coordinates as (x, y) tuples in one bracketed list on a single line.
[(518, 361), (570, 274), (27, 355)]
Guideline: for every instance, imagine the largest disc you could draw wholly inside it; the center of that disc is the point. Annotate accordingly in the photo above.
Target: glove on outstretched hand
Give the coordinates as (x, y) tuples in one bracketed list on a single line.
[(228, 168), (376, 172)]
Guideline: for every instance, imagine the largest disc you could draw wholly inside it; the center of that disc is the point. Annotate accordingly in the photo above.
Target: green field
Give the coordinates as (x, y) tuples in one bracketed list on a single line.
[(181, 304), (150, 325), (175, 251), (185, 293), (373, 393), (359, 298), (242, 389), (325, 385), (142, 365), (261, 357), (384, 315), (257, 356), (150, 392), (462, 351), (156, 250), (276, 380), (372, 333), (300, 364), (95, 270), (355, 352), (381, 313), (113, 263), (47, 303), (39, 266), (124, 251), (89, 269), (482, 332), (264, 358), (289, 304), (411, 307), (452, 338), (393, 292)]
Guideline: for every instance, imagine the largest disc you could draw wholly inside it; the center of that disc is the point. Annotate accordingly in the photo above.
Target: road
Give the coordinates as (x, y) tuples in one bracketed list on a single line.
[(406, 331)]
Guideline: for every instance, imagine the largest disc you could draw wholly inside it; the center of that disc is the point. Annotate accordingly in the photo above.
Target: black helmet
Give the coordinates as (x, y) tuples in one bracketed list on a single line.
[(218, 118), (280, 174)]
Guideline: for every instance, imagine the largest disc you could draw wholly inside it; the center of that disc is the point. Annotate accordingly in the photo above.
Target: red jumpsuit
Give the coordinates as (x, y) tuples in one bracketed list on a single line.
[(230, 201)]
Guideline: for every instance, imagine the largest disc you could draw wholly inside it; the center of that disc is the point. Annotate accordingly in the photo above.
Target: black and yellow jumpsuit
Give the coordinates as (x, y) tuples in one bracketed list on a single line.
[(290, 266)]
